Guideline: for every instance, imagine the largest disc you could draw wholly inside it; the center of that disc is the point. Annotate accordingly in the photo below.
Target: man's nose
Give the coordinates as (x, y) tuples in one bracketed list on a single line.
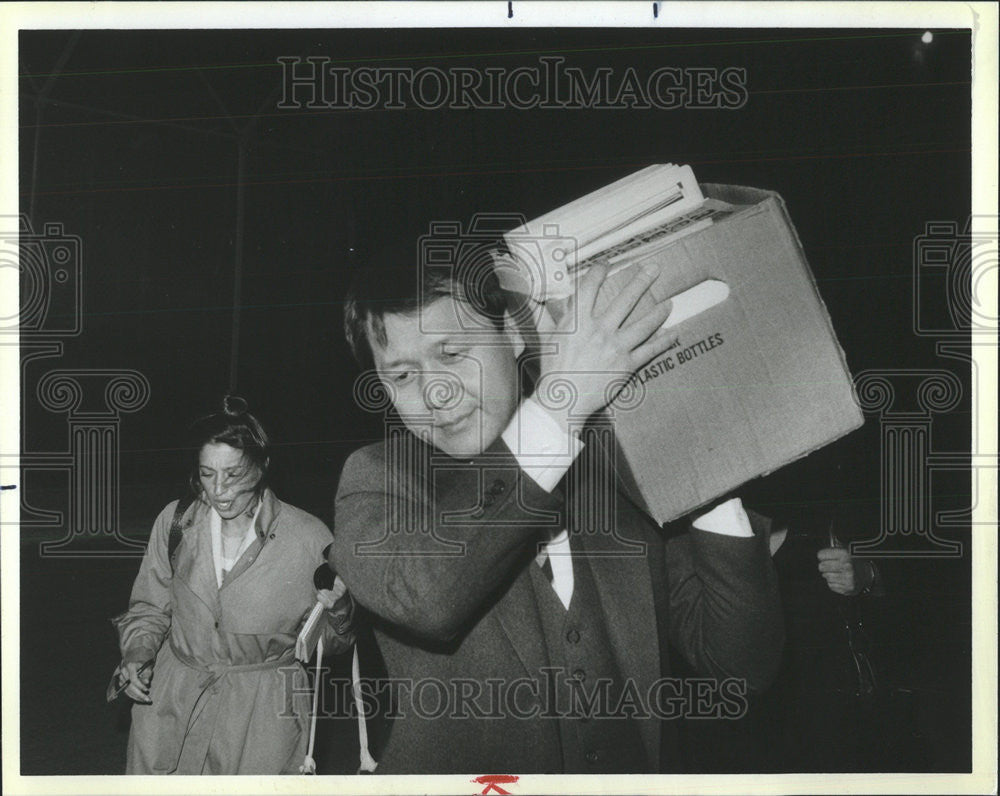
[(441, 391), (217, 485)]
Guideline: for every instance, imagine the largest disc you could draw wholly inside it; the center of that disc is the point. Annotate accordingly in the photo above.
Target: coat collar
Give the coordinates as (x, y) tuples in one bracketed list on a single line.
[(200, 577), (269, 510), (265, 529), (270, 507)]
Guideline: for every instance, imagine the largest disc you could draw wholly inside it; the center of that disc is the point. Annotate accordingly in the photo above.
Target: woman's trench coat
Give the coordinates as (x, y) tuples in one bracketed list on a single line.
[(228, 696)]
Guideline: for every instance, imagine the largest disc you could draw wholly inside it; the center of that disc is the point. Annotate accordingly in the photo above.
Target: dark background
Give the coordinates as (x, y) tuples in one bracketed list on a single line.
[(129, 140)]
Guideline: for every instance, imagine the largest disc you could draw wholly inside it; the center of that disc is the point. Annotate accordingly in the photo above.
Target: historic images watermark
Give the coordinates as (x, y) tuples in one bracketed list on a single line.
[(556, 694), (48, 262), (49, 265), (491, 248), (319, 82), (954, 273)]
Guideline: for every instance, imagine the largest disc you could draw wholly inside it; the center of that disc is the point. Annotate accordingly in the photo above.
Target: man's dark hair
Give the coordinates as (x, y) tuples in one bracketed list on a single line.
[(392, 283)]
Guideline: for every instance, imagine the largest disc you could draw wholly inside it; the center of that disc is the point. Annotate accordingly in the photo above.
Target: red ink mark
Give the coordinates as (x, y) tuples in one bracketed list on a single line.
[(492, 782)]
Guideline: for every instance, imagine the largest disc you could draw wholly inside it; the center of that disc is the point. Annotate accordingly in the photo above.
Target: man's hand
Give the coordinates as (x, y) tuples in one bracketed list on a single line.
[(138, 687), (843, 573), (594, 360)]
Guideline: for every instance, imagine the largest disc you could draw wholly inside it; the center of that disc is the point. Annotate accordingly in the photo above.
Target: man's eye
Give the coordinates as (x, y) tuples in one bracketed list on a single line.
[(237, 473), (401, 377)]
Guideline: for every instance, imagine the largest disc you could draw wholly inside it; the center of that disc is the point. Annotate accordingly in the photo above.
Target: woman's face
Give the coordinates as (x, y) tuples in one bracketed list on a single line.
[(228, 478)]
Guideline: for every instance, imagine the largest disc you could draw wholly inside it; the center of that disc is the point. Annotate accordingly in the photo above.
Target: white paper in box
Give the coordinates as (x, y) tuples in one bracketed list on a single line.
[(749, 384)]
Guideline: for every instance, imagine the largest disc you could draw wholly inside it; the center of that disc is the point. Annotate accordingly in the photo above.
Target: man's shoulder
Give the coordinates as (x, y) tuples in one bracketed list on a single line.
[(393, 460), (370, 455)]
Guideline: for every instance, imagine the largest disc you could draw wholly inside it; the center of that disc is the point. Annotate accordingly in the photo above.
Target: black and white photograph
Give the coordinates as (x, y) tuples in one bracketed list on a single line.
[(468, 397)]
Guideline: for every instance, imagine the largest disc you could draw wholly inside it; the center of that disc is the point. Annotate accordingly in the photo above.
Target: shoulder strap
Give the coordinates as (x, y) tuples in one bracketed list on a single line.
[(175, 528)]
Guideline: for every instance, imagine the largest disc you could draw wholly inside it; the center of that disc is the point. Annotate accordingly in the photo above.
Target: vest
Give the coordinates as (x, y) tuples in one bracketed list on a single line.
[(584, 684)]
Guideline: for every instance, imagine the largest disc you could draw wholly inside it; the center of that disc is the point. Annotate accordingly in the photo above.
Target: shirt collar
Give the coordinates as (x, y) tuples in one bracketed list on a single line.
[(557, 545)]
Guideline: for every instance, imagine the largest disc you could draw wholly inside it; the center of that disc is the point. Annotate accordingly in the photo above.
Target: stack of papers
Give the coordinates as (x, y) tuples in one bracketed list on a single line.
[(614, 225)]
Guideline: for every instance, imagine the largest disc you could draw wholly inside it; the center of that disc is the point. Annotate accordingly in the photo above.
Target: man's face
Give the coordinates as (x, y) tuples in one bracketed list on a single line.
[(448, 379)]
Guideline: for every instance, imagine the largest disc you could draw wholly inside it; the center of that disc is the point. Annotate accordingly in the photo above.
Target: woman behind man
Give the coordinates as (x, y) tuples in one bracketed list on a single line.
[(220, 614)]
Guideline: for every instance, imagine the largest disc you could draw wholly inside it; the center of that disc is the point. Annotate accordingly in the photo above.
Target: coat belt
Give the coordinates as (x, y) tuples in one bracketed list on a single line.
[(215, 671)]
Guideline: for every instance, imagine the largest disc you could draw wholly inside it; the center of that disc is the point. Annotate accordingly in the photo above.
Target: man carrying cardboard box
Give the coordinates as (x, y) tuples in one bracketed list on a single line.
[(515, 637)]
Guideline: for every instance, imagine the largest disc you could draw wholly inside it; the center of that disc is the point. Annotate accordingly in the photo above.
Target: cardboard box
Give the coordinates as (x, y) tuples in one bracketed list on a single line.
[(750, 384)]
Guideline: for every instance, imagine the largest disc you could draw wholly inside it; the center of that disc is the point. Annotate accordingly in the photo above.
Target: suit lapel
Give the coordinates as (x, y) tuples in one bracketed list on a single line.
[(623, 582), (625, 589), (517, 613)]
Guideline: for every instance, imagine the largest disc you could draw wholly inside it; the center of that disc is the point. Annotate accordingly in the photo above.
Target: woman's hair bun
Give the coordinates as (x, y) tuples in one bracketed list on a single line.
[(234, 406)]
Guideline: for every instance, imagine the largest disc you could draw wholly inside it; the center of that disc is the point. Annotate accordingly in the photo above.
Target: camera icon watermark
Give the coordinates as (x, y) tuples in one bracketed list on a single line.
[(954, 302), (546, 260), (489, 256), (44, 271), (955, 279), (46, 267)]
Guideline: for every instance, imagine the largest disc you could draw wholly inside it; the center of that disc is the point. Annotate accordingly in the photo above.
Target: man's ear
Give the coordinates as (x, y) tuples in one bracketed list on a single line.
[(513, 332)]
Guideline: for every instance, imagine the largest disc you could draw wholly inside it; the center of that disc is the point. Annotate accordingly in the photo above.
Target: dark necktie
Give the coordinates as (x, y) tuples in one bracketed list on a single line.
[(547, 568)]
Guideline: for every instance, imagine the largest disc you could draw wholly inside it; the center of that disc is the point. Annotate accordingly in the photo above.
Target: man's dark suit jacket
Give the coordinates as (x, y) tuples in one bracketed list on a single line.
[(472, 614)]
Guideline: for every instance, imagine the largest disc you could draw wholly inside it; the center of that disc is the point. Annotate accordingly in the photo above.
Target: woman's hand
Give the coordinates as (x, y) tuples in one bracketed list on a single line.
[(338, 602), (138, 687)]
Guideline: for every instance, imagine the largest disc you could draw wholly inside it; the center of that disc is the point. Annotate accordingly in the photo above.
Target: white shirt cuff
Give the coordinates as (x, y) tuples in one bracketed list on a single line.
[(728, 519), (544, 451)]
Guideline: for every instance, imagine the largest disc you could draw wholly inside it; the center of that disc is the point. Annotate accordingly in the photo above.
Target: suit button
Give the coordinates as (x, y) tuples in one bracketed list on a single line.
[(271, 536), (580, 675), (573, 636), (592, 756)]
